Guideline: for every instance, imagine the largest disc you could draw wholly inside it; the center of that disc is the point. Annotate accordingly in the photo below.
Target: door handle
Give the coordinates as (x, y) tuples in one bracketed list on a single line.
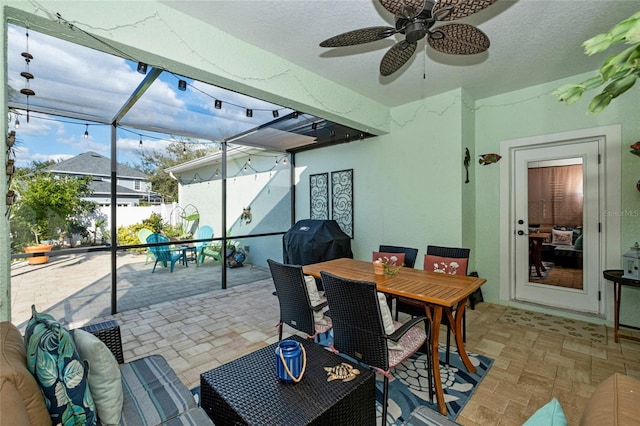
[(521, 232)]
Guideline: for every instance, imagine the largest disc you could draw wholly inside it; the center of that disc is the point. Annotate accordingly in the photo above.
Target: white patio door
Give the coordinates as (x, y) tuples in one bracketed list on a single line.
[(584, 298)]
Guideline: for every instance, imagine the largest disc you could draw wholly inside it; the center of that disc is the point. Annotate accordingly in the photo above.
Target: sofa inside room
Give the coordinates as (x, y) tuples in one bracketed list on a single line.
[(563, 244)]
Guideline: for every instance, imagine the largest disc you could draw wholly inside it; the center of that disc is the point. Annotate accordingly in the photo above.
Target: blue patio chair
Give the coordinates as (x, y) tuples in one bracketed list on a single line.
[(142, 236), (164, 254), (204, 232)]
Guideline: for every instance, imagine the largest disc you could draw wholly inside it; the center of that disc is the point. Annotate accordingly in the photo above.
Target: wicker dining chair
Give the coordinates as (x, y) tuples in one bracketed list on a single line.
[(359, 329), (438, 259), (297, 309), (410, 254)]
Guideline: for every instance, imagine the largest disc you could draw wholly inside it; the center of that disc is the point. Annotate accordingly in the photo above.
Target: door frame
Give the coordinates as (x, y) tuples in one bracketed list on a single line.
[(610, 202)]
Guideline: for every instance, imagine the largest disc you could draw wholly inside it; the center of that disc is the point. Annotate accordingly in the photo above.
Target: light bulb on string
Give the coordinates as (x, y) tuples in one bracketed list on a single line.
[(284, 161), (86, 132), (17, 123), (184, 148), (276, 161), (249, 161), (140, 141)]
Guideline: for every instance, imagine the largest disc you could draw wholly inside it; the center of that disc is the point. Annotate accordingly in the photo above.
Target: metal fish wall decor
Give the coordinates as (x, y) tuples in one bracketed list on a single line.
[(635, 148), (486, 159)]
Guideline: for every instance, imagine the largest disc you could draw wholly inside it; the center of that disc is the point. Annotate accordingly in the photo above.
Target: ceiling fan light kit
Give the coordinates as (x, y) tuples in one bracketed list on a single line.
[(417, 19)]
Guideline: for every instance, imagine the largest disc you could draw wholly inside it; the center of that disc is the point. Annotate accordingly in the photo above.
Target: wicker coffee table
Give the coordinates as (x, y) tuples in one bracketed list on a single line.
[(246, 392)]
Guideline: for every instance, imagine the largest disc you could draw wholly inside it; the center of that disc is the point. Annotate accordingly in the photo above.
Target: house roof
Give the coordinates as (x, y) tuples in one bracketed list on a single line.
[(93, 164), (104, 188)]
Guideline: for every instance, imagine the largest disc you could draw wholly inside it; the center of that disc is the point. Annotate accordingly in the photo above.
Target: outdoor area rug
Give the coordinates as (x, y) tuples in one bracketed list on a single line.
[(408, 388), (596, 333)]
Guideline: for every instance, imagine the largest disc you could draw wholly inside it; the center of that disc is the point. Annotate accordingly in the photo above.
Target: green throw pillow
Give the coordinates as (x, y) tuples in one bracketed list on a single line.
[(53, 360), (578, 244), (550, 414), (105, 379)]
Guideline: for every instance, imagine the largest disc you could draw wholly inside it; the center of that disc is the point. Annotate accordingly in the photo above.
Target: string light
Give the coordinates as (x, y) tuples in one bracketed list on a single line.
[(17, 123), (275, 113), (182, 85), (140, 141), (218, 104), (249, 161), (86, 132), (249, 112), (142, 68)]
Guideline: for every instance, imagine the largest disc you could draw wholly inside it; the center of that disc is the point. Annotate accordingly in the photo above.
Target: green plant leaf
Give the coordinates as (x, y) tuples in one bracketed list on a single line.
[(620, 63), (599, 102), (618, 87), (593, 82), (623, 31), (569, 93)]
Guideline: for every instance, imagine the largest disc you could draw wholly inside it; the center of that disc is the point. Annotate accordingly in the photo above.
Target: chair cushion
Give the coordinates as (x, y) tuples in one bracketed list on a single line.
[(104, 377), (411, 342), (315, 299), (20, 396), (54, 361), (387, 321), (445, 265), (394, 259), (153, 392)]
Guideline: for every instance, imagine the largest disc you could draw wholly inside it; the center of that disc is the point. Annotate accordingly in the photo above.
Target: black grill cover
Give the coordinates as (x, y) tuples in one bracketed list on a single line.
[(312, 241)]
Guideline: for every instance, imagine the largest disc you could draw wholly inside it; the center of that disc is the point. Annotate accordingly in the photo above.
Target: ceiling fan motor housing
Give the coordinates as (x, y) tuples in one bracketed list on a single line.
[(415, 31)]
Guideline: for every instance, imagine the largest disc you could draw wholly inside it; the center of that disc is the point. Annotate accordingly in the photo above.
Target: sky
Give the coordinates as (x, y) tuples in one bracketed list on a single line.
[(78, 80)]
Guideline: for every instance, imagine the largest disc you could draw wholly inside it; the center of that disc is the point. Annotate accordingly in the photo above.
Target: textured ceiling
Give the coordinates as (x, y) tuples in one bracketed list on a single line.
[(532, 42)]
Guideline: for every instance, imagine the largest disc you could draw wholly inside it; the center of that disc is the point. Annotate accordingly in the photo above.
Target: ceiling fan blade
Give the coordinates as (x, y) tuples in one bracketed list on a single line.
[(364, 35), (404, 8), (396, 57), (459, 39), (461, 8)]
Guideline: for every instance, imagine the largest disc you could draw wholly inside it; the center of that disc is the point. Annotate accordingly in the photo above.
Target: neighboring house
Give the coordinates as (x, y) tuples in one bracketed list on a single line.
[(131, 188)]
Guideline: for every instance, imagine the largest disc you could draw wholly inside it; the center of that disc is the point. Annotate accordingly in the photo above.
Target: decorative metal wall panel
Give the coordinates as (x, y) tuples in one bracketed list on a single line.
[(342, 200), (319, 185)]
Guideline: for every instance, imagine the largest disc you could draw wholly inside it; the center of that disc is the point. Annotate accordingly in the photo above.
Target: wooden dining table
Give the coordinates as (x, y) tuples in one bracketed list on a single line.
[(441, 293)]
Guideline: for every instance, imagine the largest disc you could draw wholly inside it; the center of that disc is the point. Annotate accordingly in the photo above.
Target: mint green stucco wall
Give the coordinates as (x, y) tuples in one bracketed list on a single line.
[(408, 185), (534, 111)]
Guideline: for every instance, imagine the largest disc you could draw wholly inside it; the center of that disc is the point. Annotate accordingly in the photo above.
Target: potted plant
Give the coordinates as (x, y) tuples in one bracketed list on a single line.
[(38, 248)]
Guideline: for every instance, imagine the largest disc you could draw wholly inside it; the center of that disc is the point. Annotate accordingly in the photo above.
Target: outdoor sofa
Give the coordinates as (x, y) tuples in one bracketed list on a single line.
[(152, 393)]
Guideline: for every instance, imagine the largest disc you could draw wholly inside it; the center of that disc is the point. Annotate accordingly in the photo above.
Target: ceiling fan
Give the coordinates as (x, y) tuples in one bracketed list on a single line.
[(416, 19)]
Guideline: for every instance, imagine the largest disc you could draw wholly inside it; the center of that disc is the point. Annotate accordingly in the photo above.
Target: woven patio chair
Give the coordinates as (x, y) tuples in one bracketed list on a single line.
[(359, 329), (300, 308), (439, 259)]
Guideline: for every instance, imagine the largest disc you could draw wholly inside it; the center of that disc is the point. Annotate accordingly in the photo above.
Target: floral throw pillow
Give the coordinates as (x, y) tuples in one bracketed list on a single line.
[(53, 360), (445, 265)]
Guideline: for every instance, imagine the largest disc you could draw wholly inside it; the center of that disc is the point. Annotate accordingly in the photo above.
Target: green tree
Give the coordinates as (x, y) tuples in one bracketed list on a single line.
[(48, 205), (154, 163)]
